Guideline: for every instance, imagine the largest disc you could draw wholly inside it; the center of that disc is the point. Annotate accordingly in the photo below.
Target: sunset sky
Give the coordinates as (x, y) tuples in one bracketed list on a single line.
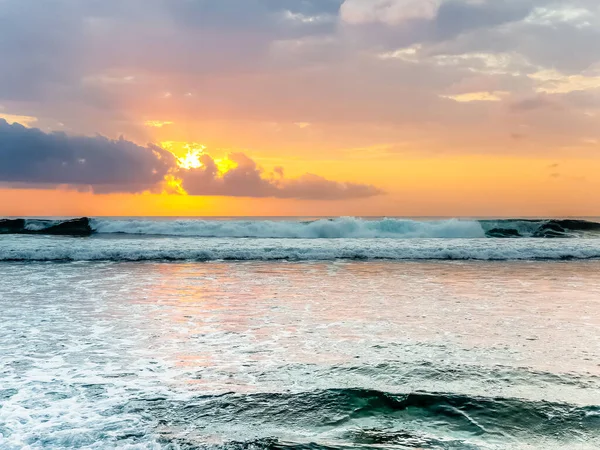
[(300, 107)]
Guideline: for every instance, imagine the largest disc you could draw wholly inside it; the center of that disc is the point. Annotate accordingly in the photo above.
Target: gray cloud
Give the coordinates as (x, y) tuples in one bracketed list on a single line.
[(31, 156), (456, 17), (533, 103), (40, 51), (249, 180), (452, 19), (254, 14), (293, 60), (49, 54), (544, 32)]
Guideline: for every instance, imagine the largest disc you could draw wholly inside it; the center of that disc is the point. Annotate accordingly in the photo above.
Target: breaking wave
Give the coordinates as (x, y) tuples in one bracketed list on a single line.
[(339, 228), (317, 240)]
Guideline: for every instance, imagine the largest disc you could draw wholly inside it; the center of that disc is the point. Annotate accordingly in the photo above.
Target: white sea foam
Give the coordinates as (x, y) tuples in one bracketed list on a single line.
[(257, 356), (347, 227), (37, 248)]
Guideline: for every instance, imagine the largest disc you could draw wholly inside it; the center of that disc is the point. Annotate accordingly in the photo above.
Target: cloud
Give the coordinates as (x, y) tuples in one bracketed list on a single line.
[(534, 103), (157, 123), (455, 17), (477, 97), (553, 82), (12, 118), (391, 12), (542, 32), (246, 179), (365, 65), (30, 156)]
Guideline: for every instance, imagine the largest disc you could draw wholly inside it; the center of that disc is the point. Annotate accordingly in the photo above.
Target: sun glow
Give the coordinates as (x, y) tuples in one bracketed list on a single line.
[(188, 156), (173, 185), (191, 160), (224, 165), (157, 123), (23, 120), (191, 153)]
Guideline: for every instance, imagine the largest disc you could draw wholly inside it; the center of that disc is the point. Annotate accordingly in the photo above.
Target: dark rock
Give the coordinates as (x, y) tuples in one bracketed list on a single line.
[(12, 226), (75, 227)]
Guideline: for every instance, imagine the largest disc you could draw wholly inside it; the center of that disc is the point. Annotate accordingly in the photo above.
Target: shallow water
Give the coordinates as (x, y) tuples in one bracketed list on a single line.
[(300, 355)]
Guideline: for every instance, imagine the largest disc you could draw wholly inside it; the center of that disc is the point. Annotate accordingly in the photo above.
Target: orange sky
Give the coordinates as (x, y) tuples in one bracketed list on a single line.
[(392, 107), (453, 186)]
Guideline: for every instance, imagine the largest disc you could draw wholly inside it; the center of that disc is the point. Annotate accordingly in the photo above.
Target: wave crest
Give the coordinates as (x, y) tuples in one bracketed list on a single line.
[(340, 228), (345, 227)]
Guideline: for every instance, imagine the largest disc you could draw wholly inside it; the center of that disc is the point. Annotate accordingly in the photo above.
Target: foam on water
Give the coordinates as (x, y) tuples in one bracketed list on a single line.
[(331, 355), (345, 227), (46, 248)]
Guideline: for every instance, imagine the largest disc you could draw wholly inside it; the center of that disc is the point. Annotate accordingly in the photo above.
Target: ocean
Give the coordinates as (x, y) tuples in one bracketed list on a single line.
[(342, 333)]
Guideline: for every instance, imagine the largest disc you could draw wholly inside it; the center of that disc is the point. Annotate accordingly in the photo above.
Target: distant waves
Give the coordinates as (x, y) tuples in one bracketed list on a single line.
[(340, 228)]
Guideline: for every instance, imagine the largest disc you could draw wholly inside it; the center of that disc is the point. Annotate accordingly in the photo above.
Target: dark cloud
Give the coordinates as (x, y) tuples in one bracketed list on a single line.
[(31, 156), (249, 180)]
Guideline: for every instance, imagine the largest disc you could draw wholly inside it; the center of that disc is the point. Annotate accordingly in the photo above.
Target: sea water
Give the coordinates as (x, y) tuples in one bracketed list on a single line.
[(300, 335)]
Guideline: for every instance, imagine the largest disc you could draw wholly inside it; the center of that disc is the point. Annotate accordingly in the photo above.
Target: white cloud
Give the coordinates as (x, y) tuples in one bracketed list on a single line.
[(303, 18), (488, 63), (390, 12), (495, 96), (579, 17), (554, 82), (103, 79), (408, 54), (157, 123), (15, 118)]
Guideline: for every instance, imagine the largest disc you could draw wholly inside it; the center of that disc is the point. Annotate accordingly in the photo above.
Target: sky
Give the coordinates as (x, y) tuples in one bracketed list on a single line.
[(300, 107)]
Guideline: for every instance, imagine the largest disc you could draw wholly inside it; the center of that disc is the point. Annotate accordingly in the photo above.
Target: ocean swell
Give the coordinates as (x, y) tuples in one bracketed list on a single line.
[(340, 228), (39, 248), (375, 418)]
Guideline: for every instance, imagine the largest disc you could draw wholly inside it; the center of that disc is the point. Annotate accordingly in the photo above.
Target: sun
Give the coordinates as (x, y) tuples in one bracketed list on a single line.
[(191, 160), (191, 153)]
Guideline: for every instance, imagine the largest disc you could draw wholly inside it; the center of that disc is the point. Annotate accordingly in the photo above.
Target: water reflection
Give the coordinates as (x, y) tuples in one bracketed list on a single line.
[(540, 315), (82, 351)]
